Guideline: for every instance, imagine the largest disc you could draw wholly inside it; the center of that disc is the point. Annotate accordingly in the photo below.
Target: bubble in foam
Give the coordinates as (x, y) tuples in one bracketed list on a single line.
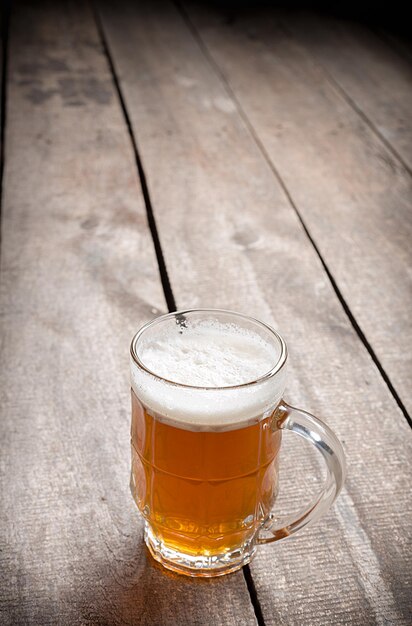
[(215, 356)]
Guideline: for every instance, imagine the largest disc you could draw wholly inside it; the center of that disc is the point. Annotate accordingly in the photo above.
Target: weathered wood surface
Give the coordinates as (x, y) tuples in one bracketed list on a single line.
[(353, 194), (79, 275), (231, 239), (375, 78)]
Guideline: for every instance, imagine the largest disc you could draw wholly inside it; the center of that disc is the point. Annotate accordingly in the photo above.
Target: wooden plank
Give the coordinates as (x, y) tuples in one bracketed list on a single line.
[(376, 79), (353, 195), (232, 240), (79, 275)]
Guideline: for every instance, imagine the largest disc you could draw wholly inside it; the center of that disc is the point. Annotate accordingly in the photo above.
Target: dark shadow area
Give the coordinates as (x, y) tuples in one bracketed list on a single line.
[(393, 17)]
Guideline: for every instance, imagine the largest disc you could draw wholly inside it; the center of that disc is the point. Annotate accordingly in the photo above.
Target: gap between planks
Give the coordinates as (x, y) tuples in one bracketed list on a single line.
[(167, 288), (361, 335), (164, 276)]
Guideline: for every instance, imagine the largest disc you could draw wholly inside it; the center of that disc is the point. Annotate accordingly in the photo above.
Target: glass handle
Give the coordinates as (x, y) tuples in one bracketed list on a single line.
[(313, 430)]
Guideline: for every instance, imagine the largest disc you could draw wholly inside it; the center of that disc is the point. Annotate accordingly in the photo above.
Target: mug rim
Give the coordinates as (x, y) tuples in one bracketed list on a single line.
[(157, 320)]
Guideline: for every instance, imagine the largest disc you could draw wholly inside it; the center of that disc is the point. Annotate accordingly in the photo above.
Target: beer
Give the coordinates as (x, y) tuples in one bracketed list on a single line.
[(203, 492), (204, 439)]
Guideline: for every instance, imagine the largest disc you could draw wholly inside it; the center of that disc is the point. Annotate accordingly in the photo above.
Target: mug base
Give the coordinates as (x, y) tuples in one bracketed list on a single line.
[(199, 566)]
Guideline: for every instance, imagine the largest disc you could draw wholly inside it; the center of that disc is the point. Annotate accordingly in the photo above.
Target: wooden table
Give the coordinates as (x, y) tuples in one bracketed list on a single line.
[(159, 155)]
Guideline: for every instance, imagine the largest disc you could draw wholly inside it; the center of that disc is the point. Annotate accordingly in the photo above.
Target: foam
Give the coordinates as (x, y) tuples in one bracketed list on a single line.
[(216, 356)]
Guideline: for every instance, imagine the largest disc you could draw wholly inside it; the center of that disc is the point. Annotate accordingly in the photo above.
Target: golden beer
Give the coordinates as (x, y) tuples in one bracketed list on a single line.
[(203, 492)]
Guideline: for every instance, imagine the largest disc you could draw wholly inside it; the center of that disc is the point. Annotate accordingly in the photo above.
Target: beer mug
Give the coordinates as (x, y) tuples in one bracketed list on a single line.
[(207, 423)]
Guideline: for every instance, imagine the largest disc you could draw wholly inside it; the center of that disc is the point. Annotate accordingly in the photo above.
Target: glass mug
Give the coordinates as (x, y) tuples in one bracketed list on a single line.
[(207, 422)]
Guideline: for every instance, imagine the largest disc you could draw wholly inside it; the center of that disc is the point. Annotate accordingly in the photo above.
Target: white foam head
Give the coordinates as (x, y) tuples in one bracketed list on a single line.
[(200, 366)]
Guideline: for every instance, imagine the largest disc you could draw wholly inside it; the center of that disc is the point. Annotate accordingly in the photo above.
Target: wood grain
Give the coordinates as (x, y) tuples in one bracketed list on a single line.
[(231, 239), (352, 193), (79, 276), (376, 78)]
